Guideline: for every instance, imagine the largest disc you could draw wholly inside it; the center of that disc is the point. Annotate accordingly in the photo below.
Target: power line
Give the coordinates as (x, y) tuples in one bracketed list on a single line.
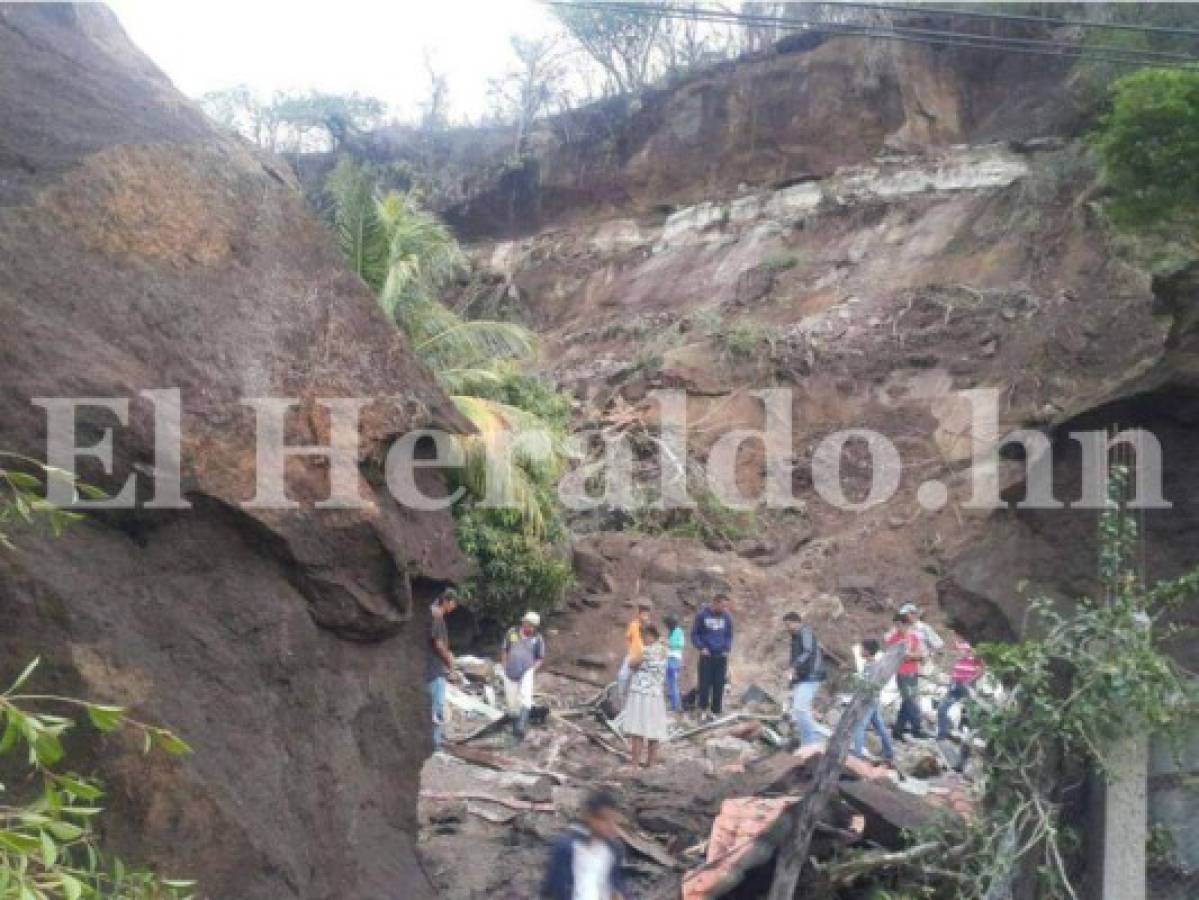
[(1104, 53), (990, 41), (1012, 17), (1137, 57)]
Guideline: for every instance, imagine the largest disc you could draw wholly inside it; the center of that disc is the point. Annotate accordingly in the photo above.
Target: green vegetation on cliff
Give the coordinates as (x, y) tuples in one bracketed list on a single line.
[(1149, 144), (510, 522)]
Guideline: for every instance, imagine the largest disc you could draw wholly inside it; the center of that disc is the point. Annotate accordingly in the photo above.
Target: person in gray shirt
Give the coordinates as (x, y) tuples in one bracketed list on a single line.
[(521, 655), (439, 665)]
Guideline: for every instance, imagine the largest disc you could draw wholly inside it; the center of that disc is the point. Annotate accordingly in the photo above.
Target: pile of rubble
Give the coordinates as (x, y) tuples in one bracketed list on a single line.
[(704, 823)]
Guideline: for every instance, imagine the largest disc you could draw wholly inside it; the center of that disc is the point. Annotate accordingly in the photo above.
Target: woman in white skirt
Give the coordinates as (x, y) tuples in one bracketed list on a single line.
[(644, 719)]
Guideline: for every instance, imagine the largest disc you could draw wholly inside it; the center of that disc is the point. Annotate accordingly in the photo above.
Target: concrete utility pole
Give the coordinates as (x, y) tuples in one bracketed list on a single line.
[(1118, 868), (1117, 864)]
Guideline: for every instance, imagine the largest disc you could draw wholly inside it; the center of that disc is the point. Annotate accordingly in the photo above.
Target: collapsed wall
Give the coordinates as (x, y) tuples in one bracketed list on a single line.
[(141, 250)]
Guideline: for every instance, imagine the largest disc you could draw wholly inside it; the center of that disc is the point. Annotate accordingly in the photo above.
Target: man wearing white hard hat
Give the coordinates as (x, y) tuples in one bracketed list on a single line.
[(521, 655)]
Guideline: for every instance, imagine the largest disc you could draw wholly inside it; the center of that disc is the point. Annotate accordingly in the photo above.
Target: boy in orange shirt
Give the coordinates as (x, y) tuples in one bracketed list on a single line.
[(634, 645)]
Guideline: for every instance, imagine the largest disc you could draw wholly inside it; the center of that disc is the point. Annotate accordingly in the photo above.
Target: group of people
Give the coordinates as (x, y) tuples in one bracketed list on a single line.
[(920, 644), (650, 675), (521, 655), (587, 860)]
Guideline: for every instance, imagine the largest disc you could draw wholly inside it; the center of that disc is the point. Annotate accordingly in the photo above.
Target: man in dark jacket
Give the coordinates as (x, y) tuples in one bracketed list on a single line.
[(807, 672), (588, 860), (712, 636)]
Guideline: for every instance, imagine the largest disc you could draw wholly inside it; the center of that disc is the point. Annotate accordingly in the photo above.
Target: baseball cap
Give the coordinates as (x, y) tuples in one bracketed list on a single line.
[(909, 609), (532, 619)]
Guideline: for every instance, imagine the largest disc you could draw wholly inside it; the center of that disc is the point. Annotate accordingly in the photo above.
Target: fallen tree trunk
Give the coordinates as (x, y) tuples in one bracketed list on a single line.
[(801, 820)]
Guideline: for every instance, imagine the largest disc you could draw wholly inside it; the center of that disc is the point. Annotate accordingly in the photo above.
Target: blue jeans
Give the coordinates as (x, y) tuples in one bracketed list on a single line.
[(436, 688), (873, 719), (674, 666), (909, 706), (802, 695), (956, 694)]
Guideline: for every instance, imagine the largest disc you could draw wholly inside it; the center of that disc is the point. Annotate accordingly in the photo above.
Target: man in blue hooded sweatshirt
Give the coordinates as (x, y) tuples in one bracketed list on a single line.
[(712, 636)]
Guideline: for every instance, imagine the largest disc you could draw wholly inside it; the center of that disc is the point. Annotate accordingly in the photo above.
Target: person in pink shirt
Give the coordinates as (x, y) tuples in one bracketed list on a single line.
[(967, 669)]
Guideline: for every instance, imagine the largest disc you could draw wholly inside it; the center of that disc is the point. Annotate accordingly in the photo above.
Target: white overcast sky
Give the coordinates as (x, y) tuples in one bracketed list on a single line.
[(374, 48)]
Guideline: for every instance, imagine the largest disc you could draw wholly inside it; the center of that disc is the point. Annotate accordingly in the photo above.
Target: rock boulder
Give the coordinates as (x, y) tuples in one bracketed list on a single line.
[(140, 250)]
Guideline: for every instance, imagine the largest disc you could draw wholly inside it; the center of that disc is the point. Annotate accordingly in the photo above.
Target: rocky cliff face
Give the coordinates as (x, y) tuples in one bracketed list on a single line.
[(802, 109), (141, 250), (1053, 552)]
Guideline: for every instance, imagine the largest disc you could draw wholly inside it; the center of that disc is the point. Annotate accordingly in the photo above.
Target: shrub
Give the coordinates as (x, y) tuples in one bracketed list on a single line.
[(747, 340), (520, 568), (709, 520), (780, 262), (532, 393), (1148, 144), (517, 572)]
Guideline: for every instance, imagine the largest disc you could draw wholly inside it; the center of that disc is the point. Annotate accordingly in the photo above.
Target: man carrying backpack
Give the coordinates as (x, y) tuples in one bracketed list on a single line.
[(807, 672)]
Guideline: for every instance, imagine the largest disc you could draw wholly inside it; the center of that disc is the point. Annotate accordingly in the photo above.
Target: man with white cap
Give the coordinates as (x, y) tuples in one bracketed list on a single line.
[(931, 640), (521, 655)]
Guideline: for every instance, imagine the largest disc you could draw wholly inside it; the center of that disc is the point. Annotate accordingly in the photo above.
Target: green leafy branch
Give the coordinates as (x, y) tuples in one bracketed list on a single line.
[(22, 501), (48, 845), (1089, 680)]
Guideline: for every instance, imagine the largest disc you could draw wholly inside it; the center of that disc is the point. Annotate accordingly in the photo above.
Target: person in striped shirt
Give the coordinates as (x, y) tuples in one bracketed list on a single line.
[(967, 669)]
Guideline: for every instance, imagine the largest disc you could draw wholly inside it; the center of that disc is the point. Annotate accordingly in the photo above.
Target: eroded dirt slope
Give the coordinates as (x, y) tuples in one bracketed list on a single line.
[(875, 297)]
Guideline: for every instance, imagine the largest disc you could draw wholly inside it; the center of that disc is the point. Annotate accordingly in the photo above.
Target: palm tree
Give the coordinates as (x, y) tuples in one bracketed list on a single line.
[(408, 255)]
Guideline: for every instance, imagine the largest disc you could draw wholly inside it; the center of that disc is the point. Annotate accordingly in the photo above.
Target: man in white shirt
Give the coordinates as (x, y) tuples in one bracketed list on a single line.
[(587, 862)]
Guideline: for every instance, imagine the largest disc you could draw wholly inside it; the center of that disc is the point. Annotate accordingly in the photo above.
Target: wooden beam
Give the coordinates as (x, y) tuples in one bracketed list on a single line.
[(802, 818), (500, 763), (594, 738), (581, 679), (649, 848), (510, 802)]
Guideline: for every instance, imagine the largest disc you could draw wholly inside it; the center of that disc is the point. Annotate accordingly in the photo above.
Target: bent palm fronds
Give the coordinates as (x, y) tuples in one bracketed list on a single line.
[(512, 453), (360, 230)]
